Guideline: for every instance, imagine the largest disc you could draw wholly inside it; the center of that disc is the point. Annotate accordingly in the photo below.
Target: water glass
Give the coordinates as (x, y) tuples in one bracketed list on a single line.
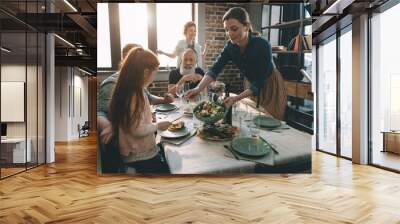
[(203, 96), (180, 90), (196, 123)]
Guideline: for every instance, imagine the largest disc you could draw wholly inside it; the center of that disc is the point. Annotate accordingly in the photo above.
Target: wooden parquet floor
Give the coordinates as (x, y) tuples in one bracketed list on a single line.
[(70, 191)]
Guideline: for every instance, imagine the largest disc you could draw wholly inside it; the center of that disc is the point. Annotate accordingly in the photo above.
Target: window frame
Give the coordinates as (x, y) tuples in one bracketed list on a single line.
[(115, 34), (333, 37)]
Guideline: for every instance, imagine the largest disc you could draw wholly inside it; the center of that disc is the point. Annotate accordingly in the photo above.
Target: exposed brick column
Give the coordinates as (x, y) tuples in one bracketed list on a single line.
[(216, 38)]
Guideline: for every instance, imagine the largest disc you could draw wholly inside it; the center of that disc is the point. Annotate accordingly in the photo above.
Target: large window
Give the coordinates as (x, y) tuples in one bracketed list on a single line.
[(327, 95), (328, 109), (22, 98), (170, 28), (271, 15), (308, 56), (385, 84), (152, 26), (103, 37), (346, 93), (133, 24)]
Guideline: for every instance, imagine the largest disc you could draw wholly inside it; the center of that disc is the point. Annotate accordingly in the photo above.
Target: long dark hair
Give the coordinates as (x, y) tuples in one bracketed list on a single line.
[(241, 15), (128, 102)]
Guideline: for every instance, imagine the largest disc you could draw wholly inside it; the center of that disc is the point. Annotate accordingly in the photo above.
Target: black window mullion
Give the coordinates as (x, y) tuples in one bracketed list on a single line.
[(338, 73), (269, 22), (280, 31), (369, 100), (37, 90), (152, 27), (0, 96), (193, 11), (26, 87), (317, 97), (115, 36)]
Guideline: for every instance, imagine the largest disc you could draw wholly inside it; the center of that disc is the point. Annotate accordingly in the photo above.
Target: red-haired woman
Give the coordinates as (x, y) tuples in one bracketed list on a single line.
[(130, 113)]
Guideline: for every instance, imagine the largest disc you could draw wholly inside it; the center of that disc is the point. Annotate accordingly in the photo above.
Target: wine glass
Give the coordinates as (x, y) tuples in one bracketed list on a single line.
[(180, 91), (195, 101)]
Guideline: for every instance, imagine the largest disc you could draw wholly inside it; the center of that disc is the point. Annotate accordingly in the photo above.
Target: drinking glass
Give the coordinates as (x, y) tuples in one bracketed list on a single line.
[(181, 90)]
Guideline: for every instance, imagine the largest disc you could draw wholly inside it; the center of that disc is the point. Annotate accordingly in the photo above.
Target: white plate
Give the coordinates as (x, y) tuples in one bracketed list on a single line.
[(175, 134)]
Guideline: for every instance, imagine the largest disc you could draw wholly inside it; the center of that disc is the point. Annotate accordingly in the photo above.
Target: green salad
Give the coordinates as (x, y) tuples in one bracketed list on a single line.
[(209, 112)]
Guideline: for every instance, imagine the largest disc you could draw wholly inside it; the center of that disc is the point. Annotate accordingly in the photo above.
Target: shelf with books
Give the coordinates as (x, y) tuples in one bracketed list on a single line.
[(292, 49)]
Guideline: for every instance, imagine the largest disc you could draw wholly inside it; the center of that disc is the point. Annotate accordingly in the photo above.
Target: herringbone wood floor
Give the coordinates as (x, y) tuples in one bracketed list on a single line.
[(70, 191)]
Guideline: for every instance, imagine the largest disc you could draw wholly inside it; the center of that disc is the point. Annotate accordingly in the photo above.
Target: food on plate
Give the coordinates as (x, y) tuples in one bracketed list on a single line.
[(219, 131), (210, 109), (175, 126)]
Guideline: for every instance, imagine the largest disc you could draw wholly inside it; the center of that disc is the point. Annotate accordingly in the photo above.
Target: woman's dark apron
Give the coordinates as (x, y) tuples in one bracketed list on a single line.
[(273, 95)]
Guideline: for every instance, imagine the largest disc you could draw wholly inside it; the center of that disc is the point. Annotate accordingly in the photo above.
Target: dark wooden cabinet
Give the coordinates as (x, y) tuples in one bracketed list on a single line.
[(391, 141), (299, 89)]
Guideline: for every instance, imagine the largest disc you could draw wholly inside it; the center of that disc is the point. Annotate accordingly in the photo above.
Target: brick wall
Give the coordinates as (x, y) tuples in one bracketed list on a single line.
[(216, 39), (158, 88)]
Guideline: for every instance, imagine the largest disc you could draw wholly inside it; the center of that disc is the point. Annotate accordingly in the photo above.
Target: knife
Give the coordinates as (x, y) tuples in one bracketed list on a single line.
[(263, 139), (229, 149)]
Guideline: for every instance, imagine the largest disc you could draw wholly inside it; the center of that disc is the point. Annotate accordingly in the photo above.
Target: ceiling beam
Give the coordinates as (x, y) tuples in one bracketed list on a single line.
[(84, 24), (82, 61)]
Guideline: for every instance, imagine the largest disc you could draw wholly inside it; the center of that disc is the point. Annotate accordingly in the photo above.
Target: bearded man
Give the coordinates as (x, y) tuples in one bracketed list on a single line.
[(187, 72)]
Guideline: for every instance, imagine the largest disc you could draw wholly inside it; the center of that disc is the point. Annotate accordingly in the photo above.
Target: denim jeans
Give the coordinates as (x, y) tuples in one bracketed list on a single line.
[(111, 161), (156, 165)]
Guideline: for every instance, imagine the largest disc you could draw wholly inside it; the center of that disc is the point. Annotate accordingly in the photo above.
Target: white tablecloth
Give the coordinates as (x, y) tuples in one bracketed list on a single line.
[(198, 156)]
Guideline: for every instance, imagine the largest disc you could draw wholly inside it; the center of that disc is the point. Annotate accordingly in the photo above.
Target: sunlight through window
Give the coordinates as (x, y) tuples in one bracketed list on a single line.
[(170, 28), (103, 37), (133, 24)]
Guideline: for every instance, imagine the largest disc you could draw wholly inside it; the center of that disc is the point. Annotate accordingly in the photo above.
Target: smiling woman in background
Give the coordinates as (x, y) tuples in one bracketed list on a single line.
[(189, 31), (253, 55), (131, 117)]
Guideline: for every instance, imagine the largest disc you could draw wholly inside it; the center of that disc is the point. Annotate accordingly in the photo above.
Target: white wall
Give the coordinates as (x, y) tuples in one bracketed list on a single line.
[(33, 127), (70, 83), (16, 73)]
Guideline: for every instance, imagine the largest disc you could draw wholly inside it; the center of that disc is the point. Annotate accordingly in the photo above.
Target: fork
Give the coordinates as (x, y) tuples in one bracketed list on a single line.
[(270, 145), (230, 150)]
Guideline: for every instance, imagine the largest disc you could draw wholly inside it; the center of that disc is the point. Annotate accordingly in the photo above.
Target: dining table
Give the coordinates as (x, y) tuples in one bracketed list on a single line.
[(196, 155)]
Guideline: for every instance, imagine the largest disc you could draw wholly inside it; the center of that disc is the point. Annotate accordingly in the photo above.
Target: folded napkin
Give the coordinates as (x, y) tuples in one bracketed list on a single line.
[(266, 160)]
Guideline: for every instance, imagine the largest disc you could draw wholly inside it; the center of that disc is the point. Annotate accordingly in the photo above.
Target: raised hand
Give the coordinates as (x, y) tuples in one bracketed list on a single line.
[(168, 98), (106, 134), (229, 101), (192, 93)]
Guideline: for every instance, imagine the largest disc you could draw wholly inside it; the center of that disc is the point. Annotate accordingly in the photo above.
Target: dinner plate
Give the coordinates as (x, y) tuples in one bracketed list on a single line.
[(165, 107), (175, 134), (266, 122), (249, 146)]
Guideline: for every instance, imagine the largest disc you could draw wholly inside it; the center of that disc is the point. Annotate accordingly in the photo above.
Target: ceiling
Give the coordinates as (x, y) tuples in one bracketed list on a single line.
[(336, 14), (75, 22)]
